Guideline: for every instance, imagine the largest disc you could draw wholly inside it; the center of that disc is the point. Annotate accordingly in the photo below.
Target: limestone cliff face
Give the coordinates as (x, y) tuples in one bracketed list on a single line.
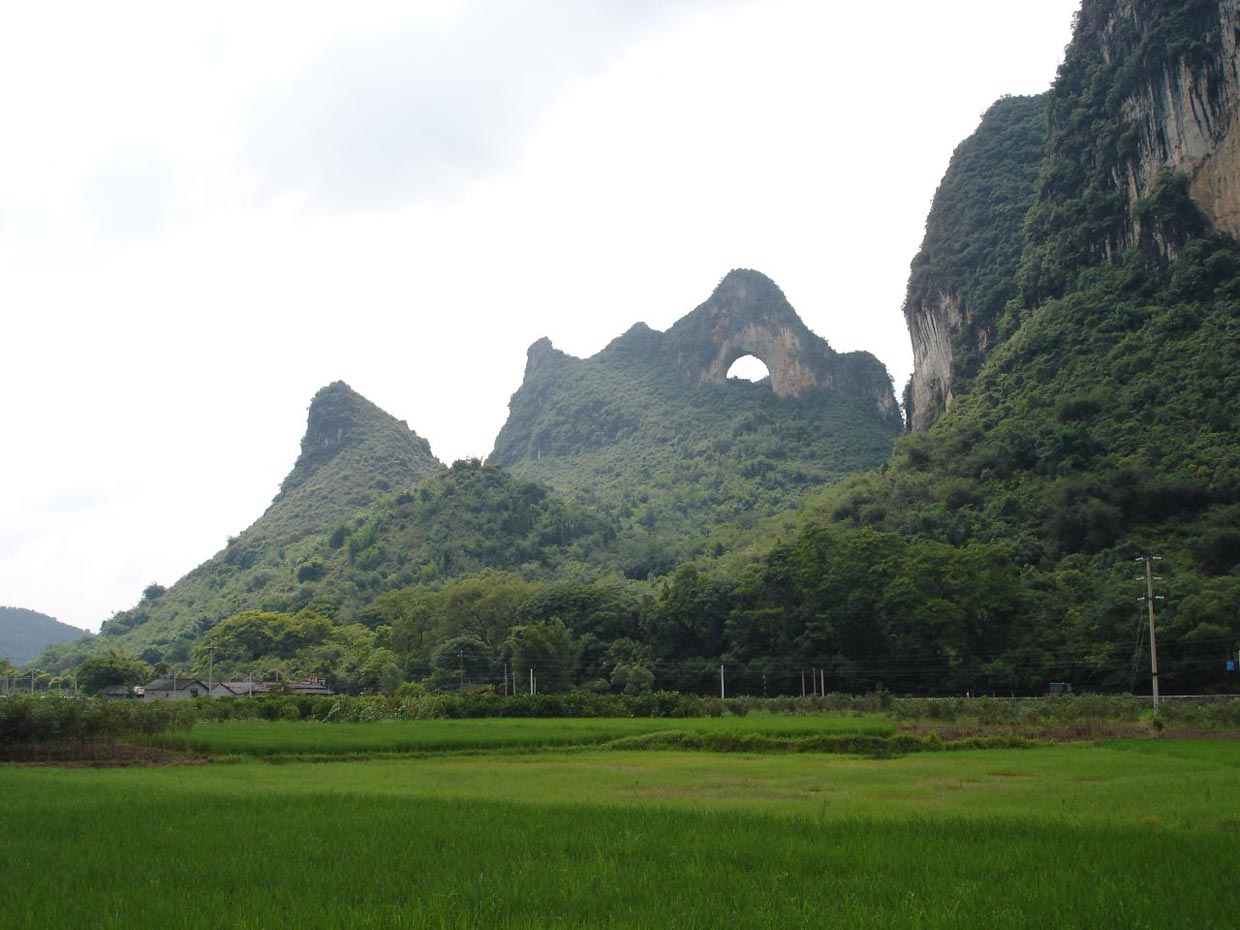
[(1142, 141), (749, 315), (964, 273), (1139, 149), (1187, 112), (1184, 113), (934, 322)]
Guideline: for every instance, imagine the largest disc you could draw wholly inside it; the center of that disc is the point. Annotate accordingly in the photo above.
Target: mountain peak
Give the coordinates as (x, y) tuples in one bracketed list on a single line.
[(337, 413), (339, 418), (541, 353), (748, 314), (745, 284)]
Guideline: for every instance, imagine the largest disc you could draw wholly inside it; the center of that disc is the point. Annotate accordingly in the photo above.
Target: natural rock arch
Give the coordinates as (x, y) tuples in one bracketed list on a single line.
[(746, 315), (749, 315), (779, 349), (749, 367)]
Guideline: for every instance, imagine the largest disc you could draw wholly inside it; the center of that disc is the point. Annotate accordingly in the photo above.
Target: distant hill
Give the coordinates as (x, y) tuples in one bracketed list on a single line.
[(366, 509), (352, 454), (653, 433), (26, 633)]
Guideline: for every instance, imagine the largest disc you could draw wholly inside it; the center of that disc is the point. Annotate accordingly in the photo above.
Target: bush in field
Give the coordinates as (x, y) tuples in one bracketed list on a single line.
[(29, 719), (1068, 709), (1184, 713), (26, 719)]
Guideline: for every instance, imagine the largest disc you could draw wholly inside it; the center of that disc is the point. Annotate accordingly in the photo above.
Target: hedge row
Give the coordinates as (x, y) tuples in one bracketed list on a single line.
[(30, 719)]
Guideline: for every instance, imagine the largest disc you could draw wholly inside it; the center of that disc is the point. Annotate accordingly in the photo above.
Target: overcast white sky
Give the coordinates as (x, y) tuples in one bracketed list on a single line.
[(208, 211)]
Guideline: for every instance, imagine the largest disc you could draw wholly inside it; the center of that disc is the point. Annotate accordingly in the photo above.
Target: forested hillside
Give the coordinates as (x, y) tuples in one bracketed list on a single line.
[(651, 433), (965, 272), (352, 453), (1104, 426)]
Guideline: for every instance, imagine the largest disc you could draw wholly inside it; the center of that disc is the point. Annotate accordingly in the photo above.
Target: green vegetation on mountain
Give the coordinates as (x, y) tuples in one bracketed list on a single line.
[(644, 521), (459, 521), (26, 633), (1084, 213), (973, 237), (352, 454), (635, 433), (1105, 429), (973, 243)]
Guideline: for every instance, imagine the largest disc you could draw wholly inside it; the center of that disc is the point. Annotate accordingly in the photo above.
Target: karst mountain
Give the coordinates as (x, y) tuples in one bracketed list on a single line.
[(1074, 314)]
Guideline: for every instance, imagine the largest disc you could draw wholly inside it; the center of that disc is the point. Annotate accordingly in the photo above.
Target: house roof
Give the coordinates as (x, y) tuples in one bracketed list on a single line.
[(244, 687), (305, 687), (166, 684)]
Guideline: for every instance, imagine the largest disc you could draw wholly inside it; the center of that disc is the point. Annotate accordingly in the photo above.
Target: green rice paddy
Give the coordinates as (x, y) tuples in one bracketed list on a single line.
[(264, 738), (1125, 834)]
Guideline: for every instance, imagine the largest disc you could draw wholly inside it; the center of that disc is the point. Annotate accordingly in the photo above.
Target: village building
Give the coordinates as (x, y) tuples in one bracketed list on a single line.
[(173, 689), (121, 693)]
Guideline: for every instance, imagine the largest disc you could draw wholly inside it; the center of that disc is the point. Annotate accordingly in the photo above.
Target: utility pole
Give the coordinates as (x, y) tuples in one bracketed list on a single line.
[(722, 694), (531, 681), (460, 657), (210, 667), (1149, 561), (802, 682)]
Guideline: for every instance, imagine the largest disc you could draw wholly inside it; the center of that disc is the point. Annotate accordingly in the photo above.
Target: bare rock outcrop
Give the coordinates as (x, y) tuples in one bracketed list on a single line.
[(749, 315), (1184, 114)]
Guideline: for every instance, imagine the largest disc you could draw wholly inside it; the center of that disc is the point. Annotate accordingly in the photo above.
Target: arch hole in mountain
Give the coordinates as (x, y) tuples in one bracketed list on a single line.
[(749, 368)]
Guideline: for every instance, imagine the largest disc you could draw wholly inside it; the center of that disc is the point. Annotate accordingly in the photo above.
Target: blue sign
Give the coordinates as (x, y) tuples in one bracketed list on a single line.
[(1231, 665)]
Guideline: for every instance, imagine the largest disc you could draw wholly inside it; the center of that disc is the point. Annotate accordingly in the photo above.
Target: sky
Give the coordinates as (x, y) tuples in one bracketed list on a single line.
[(208, 211)]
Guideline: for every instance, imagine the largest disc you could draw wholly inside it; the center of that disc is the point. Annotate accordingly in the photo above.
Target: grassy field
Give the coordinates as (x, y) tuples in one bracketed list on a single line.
[(264, 738), (1127, 834)]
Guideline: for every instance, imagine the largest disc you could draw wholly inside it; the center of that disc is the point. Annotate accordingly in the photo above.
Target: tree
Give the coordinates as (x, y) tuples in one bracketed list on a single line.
[(410, 614), (462, 661), (484, 605), (253, 635), (547, 649), (632, 679), (111, 668)]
